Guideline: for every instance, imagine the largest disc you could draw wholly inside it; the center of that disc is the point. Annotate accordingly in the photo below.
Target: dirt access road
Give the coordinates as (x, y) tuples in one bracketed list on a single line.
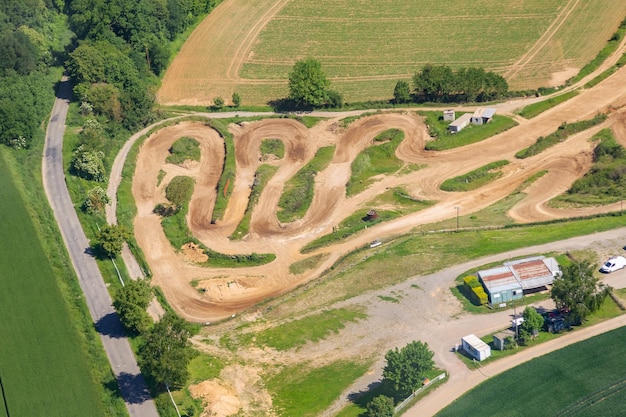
[(228, 291)]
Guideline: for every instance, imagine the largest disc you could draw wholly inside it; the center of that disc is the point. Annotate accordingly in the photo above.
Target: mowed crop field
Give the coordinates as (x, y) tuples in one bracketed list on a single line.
[(584, 379), (43, 368), (365, 47)]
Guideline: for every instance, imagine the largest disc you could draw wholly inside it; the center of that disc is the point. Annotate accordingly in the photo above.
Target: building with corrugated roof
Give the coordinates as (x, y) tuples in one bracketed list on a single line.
[(510, 281)]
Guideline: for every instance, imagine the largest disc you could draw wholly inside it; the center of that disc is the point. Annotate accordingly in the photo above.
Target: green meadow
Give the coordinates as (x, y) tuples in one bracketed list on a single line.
[(43, 363)]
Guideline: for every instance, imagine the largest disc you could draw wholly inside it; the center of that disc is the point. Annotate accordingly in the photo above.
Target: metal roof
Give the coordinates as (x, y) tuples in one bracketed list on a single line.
[(499, 279), (484, 113), (464, 118), (529, 273)]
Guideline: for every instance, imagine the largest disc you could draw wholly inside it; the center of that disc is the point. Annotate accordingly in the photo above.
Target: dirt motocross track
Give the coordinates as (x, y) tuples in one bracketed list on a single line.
[(231, 290)]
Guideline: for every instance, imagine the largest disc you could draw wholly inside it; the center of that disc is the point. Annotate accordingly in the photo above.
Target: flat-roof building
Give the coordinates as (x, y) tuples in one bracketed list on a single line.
[(475, 347)]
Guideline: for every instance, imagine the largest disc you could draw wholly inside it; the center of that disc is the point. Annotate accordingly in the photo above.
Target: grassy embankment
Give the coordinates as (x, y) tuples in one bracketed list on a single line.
[(398, 198), (438, 129), (562, 133), (262, 176), (184, 149), (51, 359), (584, 379), (536, 109), (303, 390), (229, 170), (605, 181), (298, 191), (179, 192), (474, 179), (269, 147), (377, 159)]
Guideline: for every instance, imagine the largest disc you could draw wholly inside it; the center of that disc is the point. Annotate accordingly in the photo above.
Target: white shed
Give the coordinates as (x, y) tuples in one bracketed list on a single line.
[(449, 115), (460, 123), (475, 347)]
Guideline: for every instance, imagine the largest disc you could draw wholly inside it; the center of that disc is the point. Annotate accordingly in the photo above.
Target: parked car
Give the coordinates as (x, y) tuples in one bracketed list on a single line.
[(613, 264)]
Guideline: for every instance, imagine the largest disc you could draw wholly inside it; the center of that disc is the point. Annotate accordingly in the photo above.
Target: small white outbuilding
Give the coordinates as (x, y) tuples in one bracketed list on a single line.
[(475, 347)]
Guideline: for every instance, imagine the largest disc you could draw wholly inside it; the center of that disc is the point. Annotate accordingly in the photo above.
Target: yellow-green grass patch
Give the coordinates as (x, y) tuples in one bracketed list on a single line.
[(443, 139), (301, 391), (298, 191), (536, 109), (296, 333), (263, 174), (476, 178), (307, 264)]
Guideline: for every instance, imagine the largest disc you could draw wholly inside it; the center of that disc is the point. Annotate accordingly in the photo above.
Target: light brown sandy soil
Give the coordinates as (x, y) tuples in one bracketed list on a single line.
[(209, 63), (229, 291)]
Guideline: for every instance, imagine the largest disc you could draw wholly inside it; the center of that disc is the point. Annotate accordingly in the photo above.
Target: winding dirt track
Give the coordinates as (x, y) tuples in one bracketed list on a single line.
[(228, 291)]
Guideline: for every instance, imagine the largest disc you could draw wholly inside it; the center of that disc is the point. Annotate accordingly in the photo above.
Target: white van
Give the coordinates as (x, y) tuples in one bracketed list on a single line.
[(613, 264)]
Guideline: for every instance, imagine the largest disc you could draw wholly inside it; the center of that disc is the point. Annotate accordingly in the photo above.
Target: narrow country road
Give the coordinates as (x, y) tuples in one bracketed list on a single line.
[(131, 382)]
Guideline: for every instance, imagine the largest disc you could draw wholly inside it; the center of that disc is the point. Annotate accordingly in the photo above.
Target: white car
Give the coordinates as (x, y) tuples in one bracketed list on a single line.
[(613, 264)]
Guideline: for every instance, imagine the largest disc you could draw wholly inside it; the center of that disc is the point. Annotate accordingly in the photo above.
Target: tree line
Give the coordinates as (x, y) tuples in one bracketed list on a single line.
[(310, 88)]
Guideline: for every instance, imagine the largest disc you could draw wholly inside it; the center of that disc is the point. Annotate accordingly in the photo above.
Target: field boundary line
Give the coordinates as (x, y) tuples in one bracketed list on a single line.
[(542, 41), (244, 48)]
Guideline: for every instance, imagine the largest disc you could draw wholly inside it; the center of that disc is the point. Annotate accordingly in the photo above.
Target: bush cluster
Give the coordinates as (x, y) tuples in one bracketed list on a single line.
[(475, 290)]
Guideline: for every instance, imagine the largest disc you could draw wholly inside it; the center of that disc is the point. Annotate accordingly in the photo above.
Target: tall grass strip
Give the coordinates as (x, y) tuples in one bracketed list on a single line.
[(474, 179), (562, 133), (536, 109), (298, 192)]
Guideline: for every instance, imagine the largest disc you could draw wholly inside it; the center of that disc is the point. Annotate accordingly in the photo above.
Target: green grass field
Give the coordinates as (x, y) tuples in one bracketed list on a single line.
[(301, 391), (585, 379), (366, 47), (43, 365)]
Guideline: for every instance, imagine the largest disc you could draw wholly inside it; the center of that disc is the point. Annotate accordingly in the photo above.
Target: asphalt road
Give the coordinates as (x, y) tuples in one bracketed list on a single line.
[(123, 363)]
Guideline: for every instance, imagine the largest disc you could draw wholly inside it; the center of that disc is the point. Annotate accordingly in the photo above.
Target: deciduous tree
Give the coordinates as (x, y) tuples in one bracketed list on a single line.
[(110, 239), (166, 352), (236, 99), (381, 406), (131, 302), (579, 291), (88, 164), (407, 367), (402, 92), (533, 322), (308, 85), (96, 201)]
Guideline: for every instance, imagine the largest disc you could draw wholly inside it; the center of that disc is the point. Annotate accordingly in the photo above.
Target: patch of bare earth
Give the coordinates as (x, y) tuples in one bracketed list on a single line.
[(238, 391)]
